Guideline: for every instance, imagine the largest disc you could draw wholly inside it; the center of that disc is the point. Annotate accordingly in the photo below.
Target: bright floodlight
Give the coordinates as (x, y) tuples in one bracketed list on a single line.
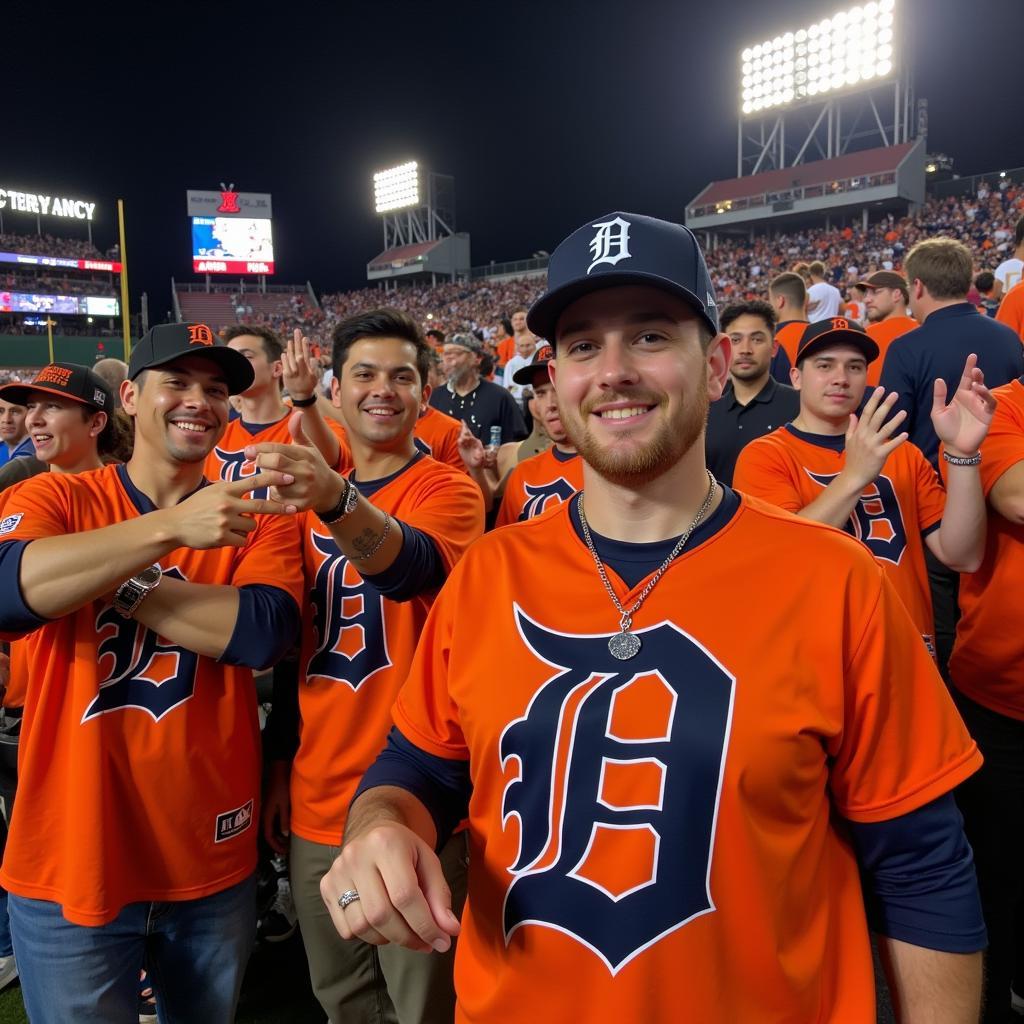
[(397, 187), (854, 47)]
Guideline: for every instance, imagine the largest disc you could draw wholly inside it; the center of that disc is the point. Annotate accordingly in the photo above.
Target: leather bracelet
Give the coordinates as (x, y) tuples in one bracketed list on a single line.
[(380, 542), (957, 460), (304, 403), (346, 503)]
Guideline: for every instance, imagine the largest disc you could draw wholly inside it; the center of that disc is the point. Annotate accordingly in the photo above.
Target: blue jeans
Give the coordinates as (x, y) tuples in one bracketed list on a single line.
[(195, 952)]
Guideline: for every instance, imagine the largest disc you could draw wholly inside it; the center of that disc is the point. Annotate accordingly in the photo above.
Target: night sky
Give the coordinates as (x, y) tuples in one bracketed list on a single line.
[(546, 113)]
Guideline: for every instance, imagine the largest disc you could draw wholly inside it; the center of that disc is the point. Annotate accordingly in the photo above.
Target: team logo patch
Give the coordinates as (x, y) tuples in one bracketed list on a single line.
[(611, 243), (200, 334), (233, 823), (541, 497), (617, 778), (10, 523), (98, 397)]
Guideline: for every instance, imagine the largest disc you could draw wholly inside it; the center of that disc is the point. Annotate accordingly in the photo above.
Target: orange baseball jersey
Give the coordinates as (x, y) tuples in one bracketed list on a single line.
[(227, 461), (651, 839), (139, 763), (540, 483), (987, 663), (506, 349), (883, 334), (788, 335), (357, 645), (1011, 309), (437, 434), (854, 310), (791, 468), (17, 679)]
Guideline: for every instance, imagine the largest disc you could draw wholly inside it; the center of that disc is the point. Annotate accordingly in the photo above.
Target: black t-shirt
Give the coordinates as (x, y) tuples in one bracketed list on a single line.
[(732, 426), (486, 406)]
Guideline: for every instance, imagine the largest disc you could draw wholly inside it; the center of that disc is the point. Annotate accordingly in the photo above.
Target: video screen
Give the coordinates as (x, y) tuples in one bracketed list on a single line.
[(232, 245), (67, 305)]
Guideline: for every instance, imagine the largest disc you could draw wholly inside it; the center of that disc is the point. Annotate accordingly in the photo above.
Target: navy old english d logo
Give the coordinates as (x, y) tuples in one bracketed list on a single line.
[(138, 668), (235, 466), (620, 771), (348, 620), (877, 518), (541, 497)]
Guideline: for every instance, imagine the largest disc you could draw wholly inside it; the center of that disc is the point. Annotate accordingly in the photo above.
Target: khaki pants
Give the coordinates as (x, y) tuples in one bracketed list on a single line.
[(357, 983)]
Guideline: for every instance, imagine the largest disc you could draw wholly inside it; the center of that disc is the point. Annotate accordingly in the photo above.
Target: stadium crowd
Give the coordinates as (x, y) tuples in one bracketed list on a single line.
[(50, 245), (283, 496)]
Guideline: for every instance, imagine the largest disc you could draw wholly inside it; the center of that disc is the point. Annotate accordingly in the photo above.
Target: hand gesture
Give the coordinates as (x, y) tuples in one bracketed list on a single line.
[(305, 481), (473, 452), (301, 374), (219, 515), (963, 424), (403, 896), (870, 440)]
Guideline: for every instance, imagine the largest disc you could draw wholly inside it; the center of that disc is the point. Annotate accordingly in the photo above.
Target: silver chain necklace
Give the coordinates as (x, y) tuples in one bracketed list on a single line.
[(624, 644)]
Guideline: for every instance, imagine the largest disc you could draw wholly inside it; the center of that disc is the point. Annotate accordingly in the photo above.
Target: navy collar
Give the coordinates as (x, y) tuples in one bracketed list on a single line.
[(957, 309), (256, 428), (834, 442), (766, 394), (141, 501), (563, 456), (367, 488)]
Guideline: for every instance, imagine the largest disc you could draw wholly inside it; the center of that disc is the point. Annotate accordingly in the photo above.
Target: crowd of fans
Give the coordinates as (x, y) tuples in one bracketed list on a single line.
[(50, 245)]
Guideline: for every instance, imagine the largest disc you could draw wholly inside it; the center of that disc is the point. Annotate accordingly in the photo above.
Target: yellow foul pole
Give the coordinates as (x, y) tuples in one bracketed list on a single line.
[(125, 323), (49, 335)]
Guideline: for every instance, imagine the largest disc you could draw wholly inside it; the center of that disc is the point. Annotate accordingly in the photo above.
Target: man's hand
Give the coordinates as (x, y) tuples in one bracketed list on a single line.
[(870, 441), (219, 515), (473, 452), (301, 375), (277, 807), (963, 424), (306, 481), (403, 895)]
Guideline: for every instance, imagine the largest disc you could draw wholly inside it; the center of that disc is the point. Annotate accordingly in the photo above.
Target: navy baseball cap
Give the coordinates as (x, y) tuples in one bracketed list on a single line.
[(538, 364), (69, 380), (166, 342), (623, 249), (835, 330)]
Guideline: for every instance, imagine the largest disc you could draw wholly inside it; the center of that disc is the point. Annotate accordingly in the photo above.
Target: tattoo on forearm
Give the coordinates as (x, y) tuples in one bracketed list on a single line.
[(366, 540)]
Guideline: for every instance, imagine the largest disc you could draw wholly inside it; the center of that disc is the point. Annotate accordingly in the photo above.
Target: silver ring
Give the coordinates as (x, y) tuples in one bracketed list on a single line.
[(347, 898)]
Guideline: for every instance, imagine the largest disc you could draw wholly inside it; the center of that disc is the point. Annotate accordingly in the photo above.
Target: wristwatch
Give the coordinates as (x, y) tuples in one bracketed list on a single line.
[(134, 590), (346, 504)]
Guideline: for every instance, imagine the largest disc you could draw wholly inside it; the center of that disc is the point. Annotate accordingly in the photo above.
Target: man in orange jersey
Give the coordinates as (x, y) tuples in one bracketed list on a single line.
[(787, 294), (885, 303), (507, 347), (987, 672), (643, 779), (263, 415), (147, 596), (377, 545), (547, 479), (861, 475), (437, 434), (1011, 309)]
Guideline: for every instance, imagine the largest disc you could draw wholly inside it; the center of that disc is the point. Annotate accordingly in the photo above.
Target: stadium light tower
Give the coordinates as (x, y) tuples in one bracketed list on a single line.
[(415, 204), (813, 91)]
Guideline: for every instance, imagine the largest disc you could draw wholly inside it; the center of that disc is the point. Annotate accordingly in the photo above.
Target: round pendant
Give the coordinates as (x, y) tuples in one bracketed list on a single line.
[(624, 645)]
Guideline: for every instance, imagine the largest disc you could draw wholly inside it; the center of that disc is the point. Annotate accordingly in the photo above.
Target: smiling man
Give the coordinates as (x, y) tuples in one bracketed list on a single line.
[(644, 780), (148, 596), (377, 545)]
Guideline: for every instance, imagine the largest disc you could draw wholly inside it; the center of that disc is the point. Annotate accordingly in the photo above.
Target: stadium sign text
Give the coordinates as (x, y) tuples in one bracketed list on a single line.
[(51, 206)]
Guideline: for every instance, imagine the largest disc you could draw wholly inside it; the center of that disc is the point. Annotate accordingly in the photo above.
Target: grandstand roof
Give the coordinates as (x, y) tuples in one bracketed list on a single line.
[(401, 254), (852, 165)]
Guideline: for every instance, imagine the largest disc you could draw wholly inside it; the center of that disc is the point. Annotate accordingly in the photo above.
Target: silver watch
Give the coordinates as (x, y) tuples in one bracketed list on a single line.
[(134, 590)]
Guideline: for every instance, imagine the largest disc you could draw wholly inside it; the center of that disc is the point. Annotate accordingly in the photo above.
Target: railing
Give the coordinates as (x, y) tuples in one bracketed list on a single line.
[(532, 266), (783, 198), (969, 185), (241, 288)]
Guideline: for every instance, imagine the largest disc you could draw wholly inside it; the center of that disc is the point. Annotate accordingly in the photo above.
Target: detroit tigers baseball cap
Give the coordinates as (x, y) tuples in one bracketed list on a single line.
[(528, 374), (69, 380), (887, 279), (165, 342), (624, 249), (835, 330)]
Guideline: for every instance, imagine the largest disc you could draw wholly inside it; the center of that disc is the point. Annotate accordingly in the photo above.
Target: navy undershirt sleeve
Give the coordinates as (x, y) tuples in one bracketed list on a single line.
[(417, 569), (281, 733), (441, 784), (15, 614), (919, 880), (266, 628)]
